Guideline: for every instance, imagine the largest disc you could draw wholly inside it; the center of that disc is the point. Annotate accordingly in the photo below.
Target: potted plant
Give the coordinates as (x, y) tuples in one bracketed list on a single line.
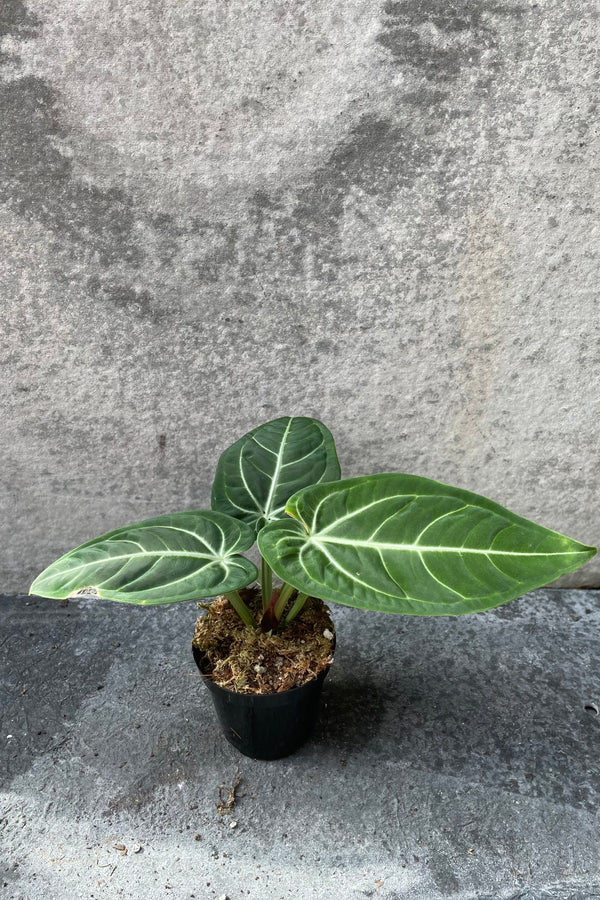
[(389, 542)]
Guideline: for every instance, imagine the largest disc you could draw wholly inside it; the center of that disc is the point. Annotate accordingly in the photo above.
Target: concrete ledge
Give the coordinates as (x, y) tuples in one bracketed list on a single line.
[(453, 758)]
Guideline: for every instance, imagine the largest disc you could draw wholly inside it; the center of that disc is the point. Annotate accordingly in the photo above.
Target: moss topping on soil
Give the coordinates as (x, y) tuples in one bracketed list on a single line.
[(249, 661)]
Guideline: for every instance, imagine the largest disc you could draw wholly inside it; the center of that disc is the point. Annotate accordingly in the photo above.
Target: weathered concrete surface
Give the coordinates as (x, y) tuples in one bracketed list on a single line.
[(453, 758), (384, 214)]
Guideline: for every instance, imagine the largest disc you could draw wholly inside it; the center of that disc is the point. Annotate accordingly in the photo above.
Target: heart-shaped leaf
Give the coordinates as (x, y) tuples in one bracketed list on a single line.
[(184, 556), (405, 544), (258, 474)]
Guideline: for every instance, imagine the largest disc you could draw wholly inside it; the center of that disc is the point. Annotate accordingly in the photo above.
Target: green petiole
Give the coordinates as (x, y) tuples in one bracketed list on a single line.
[(284, 595), (296, 608), (241, 609)]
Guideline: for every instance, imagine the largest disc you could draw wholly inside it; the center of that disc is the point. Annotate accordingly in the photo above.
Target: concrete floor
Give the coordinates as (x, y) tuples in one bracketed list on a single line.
[(453, 758)]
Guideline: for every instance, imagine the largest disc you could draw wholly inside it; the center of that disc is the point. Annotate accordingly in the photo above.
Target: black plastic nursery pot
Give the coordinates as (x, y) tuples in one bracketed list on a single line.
[(265, 726)]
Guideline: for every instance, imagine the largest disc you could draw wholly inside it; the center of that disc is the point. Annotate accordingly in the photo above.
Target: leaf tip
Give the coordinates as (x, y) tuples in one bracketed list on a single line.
[(36, 588)]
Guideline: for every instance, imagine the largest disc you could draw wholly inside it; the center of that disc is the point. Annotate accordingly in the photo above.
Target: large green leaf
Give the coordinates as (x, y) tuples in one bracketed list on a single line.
[(184, 556), (258, 474), (404, 544)]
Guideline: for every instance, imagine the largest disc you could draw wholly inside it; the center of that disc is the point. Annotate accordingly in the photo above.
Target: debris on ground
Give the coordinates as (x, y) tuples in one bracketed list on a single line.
[(225, 806)]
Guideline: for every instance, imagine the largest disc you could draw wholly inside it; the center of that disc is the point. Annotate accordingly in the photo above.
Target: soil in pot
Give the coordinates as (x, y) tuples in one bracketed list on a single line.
[(249, 661)]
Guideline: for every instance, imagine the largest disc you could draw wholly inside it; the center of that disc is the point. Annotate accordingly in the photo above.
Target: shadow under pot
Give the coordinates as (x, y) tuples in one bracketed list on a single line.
[(265, 726)]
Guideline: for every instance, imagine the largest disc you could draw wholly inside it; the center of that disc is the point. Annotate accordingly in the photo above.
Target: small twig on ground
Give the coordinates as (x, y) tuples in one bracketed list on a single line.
[(225, 806)]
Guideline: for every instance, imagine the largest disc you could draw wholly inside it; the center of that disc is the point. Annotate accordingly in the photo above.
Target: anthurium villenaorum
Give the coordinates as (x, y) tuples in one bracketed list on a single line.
[(389, 542)]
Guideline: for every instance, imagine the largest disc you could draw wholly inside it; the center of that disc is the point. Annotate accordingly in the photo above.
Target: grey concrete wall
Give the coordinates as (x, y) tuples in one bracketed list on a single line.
[(214, 212)]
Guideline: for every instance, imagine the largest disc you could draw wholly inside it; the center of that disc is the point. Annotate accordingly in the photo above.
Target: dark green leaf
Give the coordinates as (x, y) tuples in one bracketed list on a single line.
[(258, 474), (184, 556), (404, 544)]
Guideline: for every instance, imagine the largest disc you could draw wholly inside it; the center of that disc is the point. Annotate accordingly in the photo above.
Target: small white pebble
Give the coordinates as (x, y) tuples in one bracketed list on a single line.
[(327, 634), (233, 824), (259, 669), (223, 897), (136, 848)]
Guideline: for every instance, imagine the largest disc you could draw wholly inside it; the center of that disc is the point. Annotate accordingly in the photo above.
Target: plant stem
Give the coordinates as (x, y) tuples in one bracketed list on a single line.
[(268, 621), (296, 608), (266, 582), (284, 595), (241, 609)]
